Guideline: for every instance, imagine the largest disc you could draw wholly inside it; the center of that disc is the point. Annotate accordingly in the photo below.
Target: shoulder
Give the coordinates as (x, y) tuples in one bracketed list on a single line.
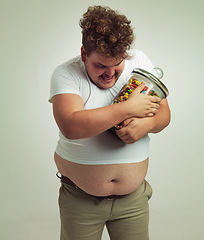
[(138, 59), (72, 66), (70, 71), (136, 55)]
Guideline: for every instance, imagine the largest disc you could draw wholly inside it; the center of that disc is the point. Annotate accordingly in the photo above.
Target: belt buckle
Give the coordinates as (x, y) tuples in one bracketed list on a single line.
[(112, 197)]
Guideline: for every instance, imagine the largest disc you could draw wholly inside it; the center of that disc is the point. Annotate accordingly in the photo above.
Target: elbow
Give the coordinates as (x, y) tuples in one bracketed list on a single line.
[(70, 133), (70, 136), (162, 124), (168, 118)]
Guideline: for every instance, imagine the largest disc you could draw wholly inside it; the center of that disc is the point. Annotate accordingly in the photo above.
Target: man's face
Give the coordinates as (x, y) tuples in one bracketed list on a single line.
[(104, 72)]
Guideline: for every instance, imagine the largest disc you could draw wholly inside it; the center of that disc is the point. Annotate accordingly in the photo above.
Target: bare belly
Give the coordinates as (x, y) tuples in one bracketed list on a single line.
[(104, 180)]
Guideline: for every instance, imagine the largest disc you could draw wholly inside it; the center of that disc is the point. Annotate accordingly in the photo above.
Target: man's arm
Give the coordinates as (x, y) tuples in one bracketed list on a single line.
[(75, 122), (134, 129), (162, 118)]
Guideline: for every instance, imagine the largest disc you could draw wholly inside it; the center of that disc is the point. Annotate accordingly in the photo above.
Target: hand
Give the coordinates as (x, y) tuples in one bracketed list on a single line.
[(141, 105), (133, 129)]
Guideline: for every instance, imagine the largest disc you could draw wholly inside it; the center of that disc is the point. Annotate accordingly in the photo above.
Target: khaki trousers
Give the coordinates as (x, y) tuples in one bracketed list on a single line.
[(84, 218)]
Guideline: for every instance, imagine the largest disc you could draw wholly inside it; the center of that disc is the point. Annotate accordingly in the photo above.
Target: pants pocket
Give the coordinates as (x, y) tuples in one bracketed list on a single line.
[(148, 190)]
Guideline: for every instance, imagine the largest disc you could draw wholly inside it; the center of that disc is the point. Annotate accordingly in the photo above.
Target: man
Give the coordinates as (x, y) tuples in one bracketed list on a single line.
[(103, 176)]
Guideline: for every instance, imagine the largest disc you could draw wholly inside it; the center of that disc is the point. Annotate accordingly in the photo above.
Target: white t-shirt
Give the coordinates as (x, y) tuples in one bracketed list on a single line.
[(104, 148)]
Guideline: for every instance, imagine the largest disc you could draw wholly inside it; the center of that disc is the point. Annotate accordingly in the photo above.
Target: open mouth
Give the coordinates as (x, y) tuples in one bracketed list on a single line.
[(107, 78)]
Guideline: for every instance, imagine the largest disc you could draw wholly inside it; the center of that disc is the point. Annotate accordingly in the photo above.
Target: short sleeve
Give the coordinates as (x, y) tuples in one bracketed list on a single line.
[(63, 81), (141, 60)]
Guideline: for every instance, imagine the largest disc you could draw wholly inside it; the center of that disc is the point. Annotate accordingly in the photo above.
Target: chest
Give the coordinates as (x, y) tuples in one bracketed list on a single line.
[(95, 97)]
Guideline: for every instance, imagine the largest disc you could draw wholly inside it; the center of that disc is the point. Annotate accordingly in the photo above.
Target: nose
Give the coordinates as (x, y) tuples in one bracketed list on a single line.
[(110, 71)]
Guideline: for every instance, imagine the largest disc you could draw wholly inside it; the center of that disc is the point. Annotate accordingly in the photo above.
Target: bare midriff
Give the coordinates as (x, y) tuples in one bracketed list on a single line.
[(104, 180)]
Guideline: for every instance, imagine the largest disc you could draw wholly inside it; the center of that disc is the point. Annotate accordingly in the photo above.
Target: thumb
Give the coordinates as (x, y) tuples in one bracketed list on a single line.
[(140, 87), (126, 122)]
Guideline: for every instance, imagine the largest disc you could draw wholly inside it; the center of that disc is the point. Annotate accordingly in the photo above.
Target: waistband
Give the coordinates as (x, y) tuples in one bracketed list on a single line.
[(68, 181)]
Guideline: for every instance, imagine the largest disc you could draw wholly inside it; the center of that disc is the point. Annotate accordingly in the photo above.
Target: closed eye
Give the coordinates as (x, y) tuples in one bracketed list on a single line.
[(100, 66)]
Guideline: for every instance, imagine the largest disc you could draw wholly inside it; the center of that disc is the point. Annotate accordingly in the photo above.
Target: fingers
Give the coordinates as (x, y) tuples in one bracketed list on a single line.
[(155, 99), (125, 122), (125, 136), (155, 105), (151, 114), (153, 111), (140, 88)]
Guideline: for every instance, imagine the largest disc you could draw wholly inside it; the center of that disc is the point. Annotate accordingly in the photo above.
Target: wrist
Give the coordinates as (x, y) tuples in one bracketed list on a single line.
[(126, 109), (150, 124)]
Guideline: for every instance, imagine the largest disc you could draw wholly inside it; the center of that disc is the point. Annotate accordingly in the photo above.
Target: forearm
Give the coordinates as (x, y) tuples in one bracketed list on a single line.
[(87, 123), (133, 129), (75, 122), (162, 119)]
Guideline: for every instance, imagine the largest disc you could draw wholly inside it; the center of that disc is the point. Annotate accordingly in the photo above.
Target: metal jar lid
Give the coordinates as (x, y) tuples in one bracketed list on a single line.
[(156, 79)]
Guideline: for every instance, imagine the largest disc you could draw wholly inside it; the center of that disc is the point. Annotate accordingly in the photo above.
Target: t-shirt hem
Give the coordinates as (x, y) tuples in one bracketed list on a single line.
[(103, 161)]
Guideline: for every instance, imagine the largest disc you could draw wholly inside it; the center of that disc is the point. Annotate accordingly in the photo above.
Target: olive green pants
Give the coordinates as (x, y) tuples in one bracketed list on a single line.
[(84, 218)]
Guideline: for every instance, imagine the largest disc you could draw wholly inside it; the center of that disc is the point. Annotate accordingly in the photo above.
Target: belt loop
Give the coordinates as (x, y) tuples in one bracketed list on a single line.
[(57, 174)]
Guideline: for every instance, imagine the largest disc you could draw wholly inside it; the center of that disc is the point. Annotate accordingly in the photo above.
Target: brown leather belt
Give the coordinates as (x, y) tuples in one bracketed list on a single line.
[(68, 181)]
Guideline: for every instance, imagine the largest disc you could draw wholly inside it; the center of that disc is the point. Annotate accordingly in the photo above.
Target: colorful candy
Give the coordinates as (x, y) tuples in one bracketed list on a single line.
[(128, 88), (152, 84)]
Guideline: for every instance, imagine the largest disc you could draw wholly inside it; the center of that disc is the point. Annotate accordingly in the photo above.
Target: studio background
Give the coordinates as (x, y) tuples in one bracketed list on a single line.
[(37, 36)]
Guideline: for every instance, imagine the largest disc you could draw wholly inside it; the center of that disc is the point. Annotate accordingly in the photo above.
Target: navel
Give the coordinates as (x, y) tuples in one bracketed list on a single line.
[(114, 180)]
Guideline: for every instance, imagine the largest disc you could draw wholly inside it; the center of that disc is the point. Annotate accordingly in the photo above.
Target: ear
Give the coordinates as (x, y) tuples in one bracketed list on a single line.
[(83, 54)]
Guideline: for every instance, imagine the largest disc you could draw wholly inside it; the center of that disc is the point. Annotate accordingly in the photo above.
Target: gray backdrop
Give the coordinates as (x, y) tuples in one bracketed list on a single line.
[(36, 36)]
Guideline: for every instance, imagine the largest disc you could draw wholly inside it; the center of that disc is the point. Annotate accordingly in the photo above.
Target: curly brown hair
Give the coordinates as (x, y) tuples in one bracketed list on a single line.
[(106, 32)]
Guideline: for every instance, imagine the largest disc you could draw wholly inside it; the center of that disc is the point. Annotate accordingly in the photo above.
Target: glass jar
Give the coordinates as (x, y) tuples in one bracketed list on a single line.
[(153, 86)]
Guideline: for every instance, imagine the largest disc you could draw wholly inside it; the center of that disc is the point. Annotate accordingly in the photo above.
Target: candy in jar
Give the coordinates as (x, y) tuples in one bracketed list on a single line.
[(153, 85)]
